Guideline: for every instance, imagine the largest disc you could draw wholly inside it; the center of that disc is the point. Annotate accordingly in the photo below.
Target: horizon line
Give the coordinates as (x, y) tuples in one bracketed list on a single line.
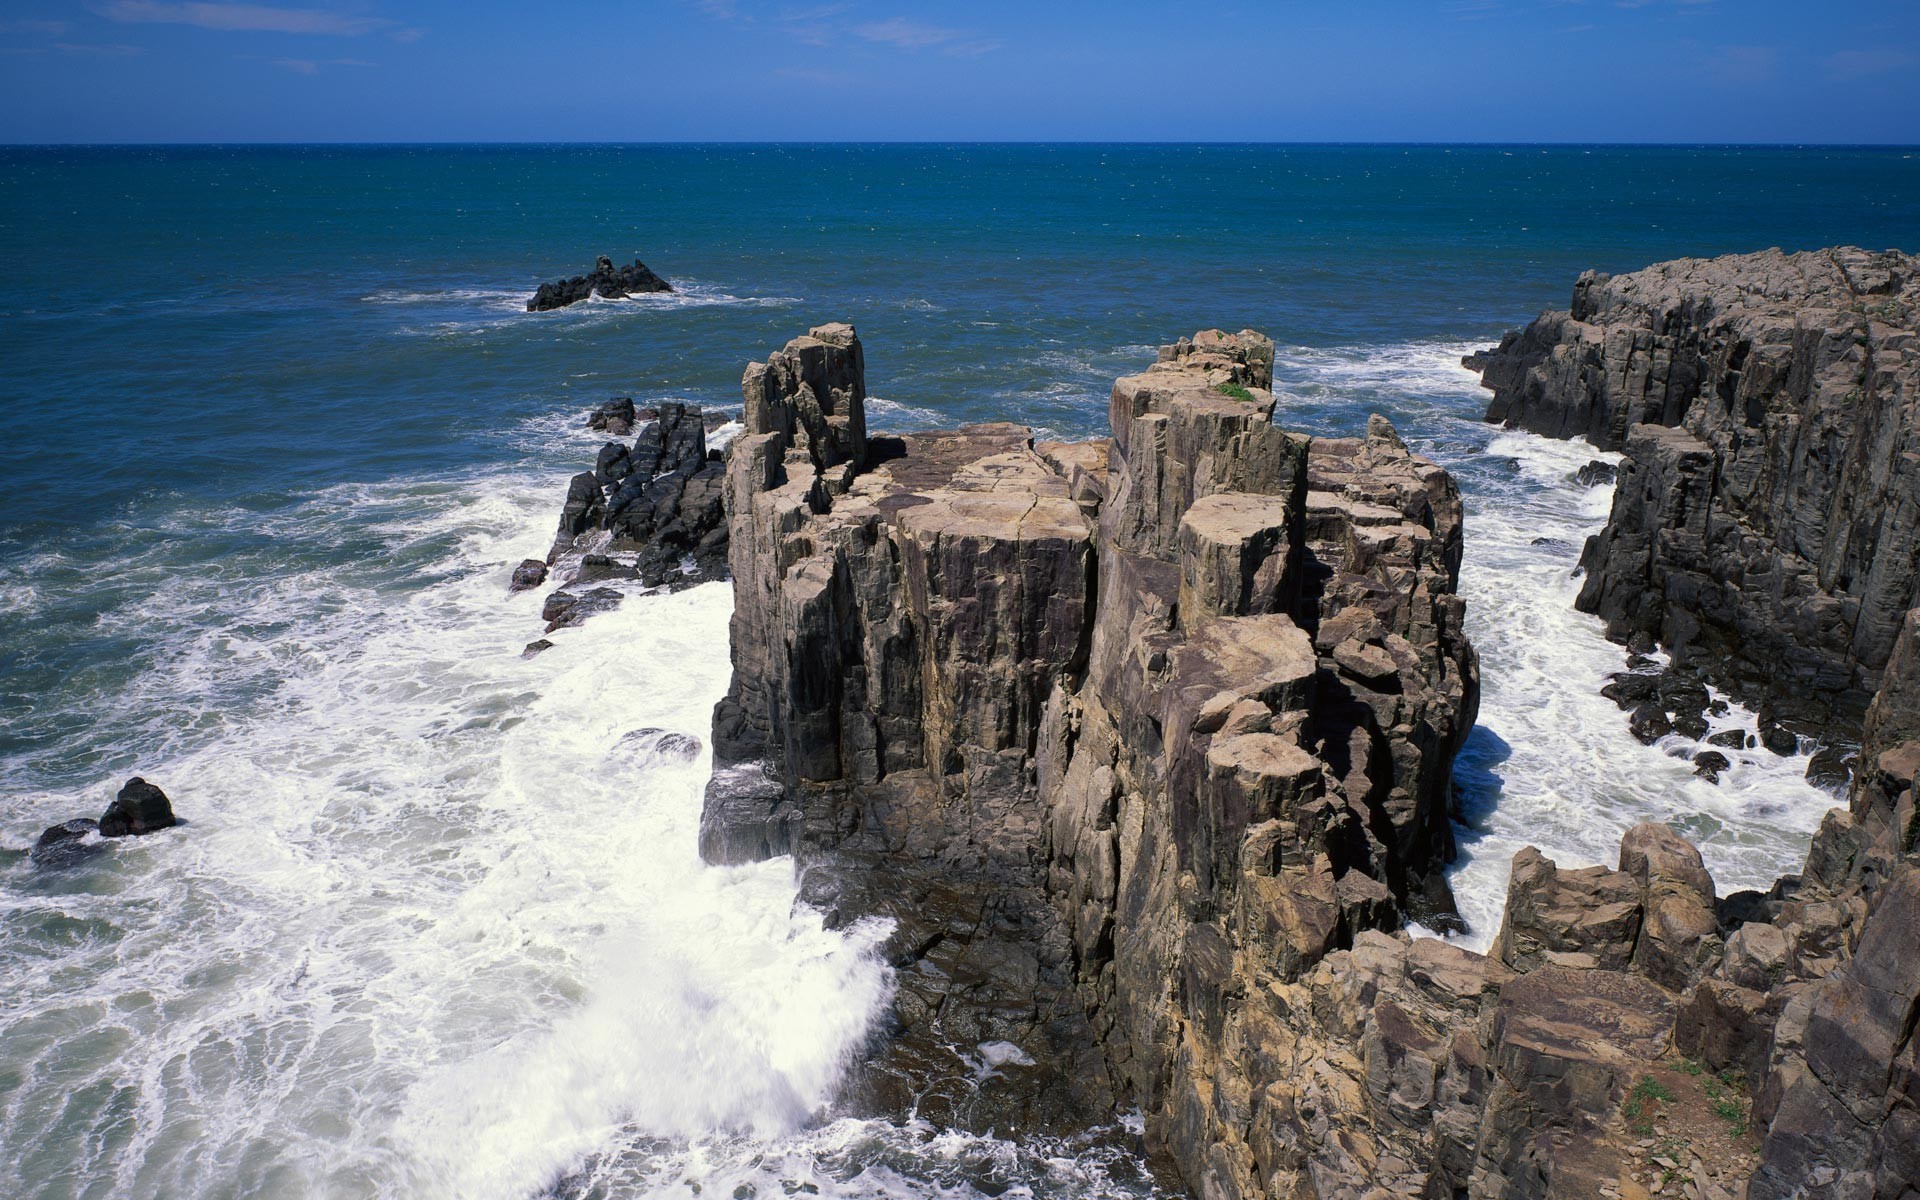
[(1167, 142)]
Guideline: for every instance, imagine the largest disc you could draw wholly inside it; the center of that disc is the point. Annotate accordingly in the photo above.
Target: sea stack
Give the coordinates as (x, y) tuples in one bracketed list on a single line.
[(605, 280), (1091, 721)]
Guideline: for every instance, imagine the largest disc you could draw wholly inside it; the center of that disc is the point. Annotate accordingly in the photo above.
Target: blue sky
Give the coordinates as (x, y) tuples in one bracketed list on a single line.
[(653, 70)]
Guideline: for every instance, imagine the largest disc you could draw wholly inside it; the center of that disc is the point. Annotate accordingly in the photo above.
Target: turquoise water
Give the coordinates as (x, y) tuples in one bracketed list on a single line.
[(273, 426)]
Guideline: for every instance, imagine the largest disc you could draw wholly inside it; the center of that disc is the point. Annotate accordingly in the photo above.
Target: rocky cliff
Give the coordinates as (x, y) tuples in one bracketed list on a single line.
[(1087, 720), (1766, 523), (1143, 746)]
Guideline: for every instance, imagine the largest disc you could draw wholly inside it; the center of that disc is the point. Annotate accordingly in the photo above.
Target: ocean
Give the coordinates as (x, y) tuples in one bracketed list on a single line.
[(274, 428)]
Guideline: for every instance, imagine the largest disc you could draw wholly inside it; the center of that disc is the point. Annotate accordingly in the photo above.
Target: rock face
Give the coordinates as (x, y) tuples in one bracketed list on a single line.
[(1118, 732), (649, 512), (1766, 524), (1143, 744), (139, 808), (605, 280)]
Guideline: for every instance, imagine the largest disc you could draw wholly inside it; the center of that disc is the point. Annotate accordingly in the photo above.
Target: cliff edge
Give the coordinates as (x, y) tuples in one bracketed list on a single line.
[(1766, 523)]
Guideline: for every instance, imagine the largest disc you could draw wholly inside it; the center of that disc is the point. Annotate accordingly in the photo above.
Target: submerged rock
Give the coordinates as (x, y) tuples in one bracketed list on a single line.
[(605, 280), (64, 844), (531, 573), (139, 808)]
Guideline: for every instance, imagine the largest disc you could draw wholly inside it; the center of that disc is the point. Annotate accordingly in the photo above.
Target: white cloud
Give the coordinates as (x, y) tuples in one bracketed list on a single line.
[(251, 18), (904, 34), (1854, 64), (907, 35), (49, 28)]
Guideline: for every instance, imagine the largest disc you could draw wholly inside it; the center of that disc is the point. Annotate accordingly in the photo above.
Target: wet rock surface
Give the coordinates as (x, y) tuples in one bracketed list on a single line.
[(605, 280), (648, 514), (138, 808), (1766, 522)]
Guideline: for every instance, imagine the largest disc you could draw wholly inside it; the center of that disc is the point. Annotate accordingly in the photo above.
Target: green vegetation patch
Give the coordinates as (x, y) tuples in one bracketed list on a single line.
[(1234, 391)]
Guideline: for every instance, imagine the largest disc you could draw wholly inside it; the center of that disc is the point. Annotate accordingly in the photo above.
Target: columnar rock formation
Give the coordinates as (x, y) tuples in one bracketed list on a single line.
[(1084, 717), (1143, 745), (1766, 524)]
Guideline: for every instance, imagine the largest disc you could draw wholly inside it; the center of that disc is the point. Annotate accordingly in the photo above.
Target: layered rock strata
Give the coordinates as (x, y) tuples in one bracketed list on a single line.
[(1092, 722), (1766, 523)]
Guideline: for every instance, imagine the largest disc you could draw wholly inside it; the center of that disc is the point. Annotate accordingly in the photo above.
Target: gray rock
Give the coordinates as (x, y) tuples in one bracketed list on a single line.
[(1766, 523)]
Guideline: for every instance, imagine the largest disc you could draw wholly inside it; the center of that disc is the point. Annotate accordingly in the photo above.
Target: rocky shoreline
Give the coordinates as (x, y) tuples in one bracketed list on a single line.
[(1766, 524), (1144, 747)]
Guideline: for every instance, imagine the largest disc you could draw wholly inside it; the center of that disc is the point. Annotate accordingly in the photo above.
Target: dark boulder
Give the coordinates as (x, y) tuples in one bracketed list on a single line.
[(1629, 690), (139, 808), (1596, 473), (1650, 723), (613, 463), (536, 648), (1733, 739), (1832, 767), (605, 280), (1709, 763), (64, 844), (531, 573), (616, 416), (565, 609)]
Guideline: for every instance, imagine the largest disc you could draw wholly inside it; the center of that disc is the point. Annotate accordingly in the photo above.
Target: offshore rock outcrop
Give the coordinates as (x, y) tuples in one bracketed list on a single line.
[(1117, 732), (605, 280), (1766, 523), (649, 512)]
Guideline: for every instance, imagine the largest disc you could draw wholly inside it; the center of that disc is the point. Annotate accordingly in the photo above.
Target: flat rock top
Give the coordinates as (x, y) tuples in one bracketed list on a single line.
[(1236, 516), (1249, 656), (976, 481), (1884, 285), (1596, 1016)]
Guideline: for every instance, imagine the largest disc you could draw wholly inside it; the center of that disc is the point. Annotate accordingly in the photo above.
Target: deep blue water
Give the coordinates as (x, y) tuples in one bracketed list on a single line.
[(273, 427)]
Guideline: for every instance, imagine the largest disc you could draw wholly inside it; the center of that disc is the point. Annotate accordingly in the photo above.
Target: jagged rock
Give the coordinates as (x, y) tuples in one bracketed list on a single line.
[(531, 573), (536, 648), (605, 280), (1210, 674), (1766, 524), (651, 512), (139, 808), (1679, 928), (1588, 917), (616, 416), (1596, 473)]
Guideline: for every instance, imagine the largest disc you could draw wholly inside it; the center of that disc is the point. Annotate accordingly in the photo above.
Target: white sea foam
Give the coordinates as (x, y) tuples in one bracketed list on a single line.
[(433, 929)]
